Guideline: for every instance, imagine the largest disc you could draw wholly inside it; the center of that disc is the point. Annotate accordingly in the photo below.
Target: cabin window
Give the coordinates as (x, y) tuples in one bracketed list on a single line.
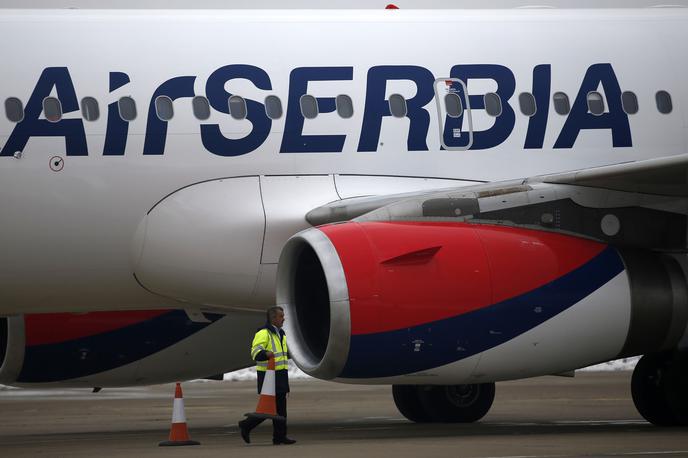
[(89, 109), (595, 103), (52, 109), (493, 104), (14, 109), (629, 102), (237, 107), (127, 108), (164, 108), (397, 105), (309, 106), (273, 107), (526, 102), (201, 107), (453, 105), (345, 106), (664, 104), (561, 103)]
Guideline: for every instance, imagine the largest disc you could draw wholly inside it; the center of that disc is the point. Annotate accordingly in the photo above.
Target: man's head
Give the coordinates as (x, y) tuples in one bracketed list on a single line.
[(276, 316)]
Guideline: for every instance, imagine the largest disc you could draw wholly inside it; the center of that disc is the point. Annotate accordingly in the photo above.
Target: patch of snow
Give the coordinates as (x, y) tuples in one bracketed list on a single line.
[(250, 374), (625, 364)]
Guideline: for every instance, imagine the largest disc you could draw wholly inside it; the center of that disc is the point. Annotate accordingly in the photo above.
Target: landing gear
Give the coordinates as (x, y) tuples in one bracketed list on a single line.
[(660, 388), (444, 403), (408, 403)]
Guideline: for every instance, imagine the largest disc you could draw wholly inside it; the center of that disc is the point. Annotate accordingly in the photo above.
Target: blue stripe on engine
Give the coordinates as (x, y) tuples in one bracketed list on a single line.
[(108, 350), (445, 341)]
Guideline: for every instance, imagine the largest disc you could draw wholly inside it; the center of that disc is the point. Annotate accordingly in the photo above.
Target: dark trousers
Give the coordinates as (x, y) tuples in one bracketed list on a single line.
[(279, 427)]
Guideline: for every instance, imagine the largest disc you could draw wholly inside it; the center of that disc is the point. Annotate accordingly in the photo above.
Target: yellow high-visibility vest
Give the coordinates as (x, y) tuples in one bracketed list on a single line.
[(269, 341)]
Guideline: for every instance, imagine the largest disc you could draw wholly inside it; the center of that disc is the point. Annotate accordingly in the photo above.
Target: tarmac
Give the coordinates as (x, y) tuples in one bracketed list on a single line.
[(589, 415)]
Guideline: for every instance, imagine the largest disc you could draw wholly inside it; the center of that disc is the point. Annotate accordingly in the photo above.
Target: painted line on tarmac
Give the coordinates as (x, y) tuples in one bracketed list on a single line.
[(666, 452), (372, 428), (528, 456), (574, 423), (376, 428), (601, 422), (650, 453)]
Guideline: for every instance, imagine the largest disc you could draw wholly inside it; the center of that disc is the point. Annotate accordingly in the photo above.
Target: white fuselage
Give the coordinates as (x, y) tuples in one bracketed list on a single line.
[(68, 235)]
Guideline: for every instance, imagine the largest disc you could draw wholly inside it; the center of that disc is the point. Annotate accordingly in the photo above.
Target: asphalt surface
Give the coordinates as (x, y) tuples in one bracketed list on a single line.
[(590, 415)]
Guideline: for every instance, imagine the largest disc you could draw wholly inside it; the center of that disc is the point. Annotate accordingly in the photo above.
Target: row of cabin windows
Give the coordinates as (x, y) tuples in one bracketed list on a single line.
[(493, 104), (596, 105), (126, 107), (164, 109), (562, 105)]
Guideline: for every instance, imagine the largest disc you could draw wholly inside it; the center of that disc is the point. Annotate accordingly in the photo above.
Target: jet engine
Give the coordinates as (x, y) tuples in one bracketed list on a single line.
[(447, 303), (106, 349)]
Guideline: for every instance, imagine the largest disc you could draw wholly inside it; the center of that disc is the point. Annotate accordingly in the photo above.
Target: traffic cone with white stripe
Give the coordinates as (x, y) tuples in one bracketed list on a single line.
[(267, 403), (179, 434)]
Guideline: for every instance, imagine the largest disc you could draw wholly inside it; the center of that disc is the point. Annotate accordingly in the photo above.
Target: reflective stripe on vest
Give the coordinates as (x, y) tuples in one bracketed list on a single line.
[(281, 357), (256, 350)]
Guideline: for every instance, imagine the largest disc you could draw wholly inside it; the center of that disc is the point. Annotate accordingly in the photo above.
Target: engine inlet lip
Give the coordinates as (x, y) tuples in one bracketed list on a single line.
[(337, 351), (11, 367)]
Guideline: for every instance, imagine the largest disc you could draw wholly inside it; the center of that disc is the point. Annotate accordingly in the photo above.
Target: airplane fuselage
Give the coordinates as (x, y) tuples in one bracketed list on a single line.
[(74, 192)]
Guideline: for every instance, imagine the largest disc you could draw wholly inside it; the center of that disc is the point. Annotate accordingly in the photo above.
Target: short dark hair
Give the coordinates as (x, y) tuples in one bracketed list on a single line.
[(272, 312)]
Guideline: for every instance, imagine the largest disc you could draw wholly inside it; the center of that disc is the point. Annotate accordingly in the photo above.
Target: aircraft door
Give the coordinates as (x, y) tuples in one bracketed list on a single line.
[(454, 114)]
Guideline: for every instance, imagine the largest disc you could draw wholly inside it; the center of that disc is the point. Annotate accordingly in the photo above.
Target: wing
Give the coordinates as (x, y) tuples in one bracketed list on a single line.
[(667, 176), (641, 204)]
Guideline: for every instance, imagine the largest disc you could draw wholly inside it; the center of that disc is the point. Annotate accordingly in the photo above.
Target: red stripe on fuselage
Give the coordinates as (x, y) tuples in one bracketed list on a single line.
[(51, 328), (475, 267)]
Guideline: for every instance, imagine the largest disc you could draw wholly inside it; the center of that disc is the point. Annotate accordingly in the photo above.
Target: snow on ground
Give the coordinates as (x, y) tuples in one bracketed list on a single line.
[(626, 364), (250, 374)]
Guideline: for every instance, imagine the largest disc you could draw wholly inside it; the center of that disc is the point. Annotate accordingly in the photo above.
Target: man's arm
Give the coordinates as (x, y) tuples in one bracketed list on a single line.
[(263, 355), (259, 346)]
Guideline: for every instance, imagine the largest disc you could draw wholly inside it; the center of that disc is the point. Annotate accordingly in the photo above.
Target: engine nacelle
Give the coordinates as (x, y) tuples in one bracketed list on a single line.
[(107, 349), (452, 303)]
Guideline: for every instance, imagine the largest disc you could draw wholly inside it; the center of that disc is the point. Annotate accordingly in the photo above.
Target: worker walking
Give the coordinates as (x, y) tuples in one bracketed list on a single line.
[(270, 342)]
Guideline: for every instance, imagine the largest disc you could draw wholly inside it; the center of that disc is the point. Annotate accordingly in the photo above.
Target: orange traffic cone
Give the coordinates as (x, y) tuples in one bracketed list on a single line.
[(267, 404), (179, 434)]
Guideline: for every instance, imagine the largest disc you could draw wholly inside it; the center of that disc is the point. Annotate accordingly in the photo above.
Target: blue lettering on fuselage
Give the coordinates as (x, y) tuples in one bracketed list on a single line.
[(293, 140), (156, 128), (32, 126), (375, 109), (537, 123), (117, 128), (377, 106), (211, 135), (615, 118), (506, 86)]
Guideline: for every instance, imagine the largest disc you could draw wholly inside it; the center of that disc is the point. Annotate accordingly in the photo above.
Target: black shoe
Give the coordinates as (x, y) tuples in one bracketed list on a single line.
[(244, 433), (284, 440)]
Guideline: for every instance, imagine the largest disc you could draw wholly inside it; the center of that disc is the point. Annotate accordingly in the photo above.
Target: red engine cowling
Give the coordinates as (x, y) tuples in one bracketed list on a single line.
[(388, 300), (121, 348)]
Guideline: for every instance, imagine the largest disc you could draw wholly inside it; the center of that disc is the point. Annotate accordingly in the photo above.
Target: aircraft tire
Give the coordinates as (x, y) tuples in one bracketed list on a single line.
[(676, 387), (457, 403), (650, 386), (407, 401)]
